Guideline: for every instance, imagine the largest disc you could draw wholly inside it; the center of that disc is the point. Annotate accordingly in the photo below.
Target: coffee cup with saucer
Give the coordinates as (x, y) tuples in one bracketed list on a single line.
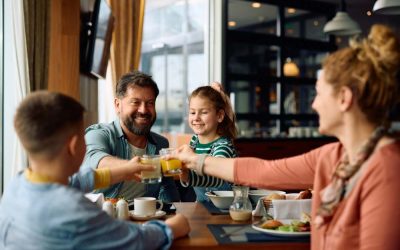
[(145, 209)]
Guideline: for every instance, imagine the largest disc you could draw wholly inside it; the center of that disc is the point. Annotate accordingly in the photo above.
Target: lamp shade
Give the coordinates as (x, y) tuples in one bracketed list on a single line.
[(290, 68), (387, 7), (342, 25)]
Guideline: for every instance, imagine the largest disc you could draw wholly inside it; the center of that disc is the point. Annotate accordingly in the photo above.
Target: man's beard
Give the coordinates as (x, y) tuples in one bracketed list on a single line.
[(136, 129)]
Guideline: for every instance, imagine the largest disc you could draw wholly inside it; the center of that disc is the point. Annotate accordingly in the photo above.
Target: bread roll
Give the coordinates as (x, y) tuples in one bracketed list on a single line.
[(271, 224), (275, 196), (306, 194)]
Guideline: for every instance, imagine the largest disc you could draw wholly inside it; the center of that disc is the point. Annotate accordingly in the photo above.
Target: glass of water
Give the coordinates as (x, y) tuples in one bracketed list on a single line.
[(151, 176)]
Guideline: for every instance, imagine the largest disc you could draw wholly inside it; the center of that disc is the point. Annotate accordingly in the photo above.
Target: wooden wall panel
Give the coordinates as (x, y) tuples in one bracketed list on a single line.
[(64, 47)]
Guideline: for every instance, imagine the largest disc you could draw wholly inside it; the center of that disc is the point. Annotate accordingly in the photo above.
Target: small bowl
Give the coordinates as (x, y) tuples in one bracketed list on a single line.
[(221, 199), (255, 195)]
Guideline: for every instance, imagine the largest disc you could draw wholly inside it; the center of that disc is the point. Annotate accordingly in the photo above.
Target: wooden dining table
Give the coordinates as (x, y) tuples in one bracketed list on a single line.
[(201, 238)]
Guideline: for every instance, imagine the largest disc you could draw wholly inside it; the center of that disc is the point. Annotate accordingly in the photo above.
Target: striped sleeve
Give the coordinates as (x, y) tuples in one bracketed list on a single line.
[(224, 149)]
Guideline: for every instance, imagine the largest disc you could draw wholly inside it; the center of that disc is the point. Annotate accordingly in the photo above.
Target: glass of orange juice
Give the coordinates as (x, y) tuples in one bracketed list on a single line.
[(170, 167)]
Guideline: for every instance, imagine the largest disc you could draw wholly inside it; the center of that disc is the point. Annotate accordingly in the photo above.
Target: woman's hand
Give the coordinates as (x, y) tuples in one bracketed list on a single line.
[(186, 155)]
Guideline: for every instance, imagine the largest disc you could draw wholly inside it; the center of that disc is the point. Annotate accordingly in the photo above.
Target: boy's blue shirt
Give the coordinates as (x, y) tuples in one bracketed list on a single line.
[(54, 216)]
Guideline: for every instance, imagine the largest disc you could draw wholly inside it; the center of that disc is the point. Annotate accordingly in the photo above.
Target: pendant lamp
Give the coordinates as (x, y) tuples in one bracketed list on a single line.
[(342, 24), (387, 7), (290, 68)]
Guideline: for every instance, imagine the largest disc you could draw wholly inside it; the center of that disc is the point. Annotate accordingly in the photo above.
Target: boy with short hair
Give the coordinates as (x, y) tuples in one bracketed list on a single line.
[(40, 211)]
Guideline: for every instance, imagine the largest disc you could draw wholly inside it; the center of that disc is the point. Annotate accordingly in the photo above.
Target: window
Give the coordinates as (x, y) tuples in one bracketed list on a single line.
[(174, 53)]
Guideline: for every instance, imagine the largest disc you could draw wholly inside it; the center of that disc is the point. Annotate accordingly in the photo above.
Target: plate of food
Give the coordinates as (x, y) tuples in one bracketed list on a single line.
[(287, 228)]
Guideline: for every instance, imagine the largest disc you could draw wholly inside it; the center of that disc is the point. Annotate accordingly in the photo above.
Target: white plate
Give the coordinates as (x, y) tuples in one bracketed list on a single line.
[(280, 233), (158, 215)]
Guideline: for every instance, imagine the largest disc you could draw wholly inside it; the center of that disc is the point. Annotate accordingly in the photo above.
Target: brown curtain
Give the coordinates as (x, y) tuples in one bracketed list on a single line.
[(37, 26), (127, 37)]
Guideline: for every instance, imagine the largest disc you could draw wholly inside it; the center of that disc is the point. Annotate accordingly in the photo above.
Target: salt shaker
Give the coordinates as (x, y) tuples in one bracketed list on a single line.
[(108, 207), (122, 210)]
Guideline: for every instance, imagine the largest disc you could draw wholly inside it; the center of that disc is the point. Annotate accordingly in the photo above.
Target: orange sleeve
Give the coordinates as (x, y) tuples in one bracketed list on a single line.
[(380, 205), (289, 173), (102, 178)]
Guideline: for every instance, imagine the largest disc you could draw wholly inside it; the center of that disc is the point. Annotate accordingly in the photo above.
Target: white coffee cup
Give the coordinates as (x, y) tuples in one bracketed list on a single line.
[(146, 206)]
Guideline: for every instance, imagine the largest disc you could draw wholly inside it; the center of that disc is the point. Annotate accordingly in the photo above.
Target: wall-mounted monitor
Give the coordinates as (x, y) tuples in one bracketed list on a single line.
[(95, 38)]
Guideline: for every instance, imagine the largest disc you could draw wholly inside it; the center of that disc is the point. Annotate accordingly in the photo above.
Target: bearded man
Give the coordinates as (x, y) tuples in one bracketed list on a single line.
[(117, 143)]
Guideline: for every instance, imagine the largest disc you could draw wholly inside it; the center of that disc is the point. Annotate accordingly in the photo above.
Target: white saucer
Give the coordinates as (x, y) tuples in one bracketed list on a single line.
[(158, 215)]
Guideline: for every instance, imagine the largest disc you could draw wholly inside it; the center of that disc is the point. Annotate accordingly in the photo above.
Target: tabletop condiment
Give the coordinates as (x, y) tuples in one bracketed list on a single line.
[(108, 207), (122, 209)]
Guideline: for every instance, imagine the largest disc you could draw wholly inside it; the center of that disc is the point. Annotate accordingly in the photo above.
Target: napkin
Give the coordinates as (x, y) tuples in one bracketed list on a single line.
[(96, 198), (290, 209), (283, 209)]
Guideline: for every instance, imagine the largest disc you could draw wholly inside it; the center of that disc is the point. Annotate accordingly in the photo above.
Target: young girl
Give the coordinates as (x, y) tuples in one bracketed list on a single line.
[(213, 123)]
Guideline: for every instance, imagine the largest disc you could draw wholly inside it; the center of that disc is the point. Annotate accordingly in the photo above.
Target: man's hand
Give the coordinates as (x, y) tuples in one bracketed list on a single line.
[(129, 171), (134, 168), (179, 225)]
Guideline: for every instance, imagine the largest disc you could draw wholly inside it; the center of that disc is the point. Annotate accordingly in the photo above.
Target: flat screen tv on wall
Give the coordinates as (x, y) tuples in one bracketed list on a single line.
[(95, 39)]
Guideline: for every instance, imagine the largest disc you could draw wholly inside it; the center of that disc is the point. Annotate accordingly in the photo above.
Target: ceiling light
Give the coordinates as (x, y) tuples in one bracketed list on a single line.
[(342, 24), (291, 10), (369, 13), (256, 5), (387, 7), (231, 23)]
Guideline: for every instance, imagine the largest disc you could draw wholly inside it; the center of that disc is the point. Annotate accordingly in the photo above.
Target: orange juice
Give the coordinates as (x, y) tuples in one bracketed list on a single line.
[(171, 167)]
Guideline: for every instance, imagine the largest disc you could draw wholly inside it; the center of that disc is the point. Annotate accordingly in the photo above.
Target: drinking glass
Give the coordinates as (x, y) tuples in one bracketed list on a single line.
[(241, 208), (151, 176), (172, 166)]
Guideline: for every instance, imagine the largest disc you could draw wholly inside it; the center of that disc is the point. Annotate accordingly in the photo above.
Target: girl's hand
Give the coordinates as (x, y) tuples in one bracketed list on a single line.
[(184, 176)]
